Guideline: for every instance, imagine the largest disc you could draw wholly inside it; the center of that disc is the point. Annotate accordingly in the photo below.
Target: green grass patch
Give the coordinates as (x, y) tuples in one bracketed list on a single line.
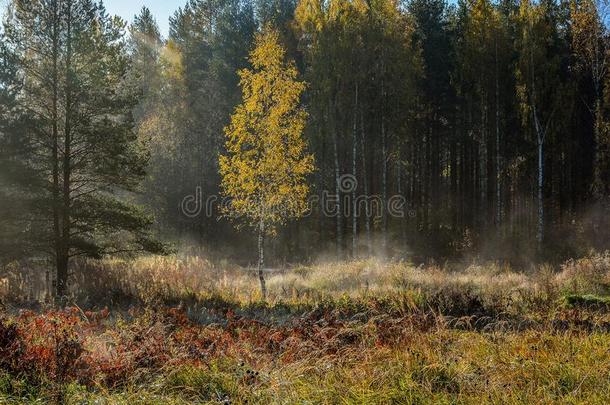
[(588, 301)]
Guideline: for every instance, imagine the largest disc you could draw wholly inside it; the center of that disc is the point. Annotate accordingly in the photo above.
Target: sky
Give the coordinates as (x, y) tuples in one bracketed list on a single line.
[(161, 9)]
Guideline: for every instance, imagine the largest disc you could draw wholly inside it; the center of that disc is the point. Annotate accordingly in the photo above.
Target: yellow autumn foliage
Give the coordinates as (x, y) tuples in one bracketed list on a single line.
[(266, 165)]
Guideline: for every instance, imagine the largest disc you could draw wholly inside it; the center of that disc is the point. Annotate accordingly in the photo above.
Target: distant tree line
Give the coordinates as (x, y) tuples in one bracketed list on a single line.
[(491, 119)]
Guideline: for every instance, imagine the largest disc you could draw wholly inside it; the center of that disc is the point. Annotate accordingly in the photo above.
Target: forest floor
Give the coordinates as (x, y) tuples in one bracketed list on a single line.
[(178, 331)]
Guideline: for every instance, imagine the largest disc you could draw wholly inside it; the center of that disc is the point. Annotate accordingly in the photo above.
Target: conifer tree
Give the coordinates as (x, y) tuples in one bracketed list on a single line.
[(70, 127)]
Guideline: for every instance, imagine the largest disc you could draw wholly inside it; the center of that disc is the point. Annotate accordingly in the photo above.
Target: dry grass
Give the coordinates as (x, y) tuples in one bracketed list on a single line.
[(161, 280), (364, 333)]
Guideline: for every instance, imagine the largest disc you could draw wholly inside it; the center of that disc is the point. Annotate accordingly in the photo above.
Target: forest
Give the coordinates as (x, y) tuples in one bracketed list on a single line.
[(482, 126), (305, 201)]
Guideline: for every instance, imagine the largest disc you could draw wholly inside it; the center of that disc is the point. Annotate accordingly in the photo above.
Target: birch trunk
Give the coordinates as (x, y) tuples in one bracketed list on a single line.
[(339, 213), (261, 259), (540, 138)]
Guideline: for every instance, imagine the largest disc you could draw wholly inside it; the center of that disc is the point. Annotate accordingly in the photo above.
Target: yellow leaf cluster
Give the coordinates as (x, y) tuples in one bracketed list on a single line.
[(265, 169)]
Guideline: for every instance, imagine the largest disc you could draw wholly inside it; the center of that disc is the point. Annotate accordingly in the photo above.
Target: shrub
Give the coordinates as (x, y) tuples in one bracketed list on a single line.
[(589, 275)]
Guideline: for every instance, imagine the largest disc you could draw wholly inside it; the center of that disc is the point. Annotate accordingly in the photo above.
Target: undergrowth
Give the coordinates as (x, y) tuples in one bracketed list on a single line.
[(361, 333)]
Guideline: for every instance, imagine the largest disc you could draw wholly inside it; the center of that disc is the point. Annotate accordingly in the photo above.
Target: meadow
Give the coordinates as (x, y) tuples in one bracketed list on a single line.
[(170, 330), (472, 136)]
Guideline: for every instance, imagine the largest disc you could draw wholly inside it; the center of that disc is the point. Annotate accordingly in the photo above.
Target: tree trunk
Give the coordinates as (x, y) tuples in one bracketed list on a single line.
[(412, 174), (384, 188), (261, 259), (339, 211), (418, 179), (399, 189), (598, 182), (355, 173), (485, 175), (540, 234), (62, 273), (433, 176), (426, 168), (55, 146), (540, 137), (453, 172), (64, 253), (367, 222), (476, 188), (498, 162)]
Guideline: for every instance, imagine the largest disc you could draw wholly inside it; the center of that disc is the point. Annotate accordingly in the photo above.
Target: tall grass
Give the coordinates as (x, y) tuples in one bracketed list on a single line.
[(158, 280), (186, 330)]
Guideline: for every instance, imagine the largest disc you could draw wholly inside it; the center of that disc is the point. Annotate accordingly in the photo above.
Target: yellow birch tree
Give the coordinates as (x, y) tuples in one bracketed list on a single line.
[(264, 171)]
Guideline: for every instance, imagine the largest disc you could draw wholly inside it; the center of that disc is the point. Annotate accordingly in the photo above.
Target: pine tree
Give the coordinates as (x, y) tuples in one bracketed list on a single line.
[(145, 53), (591, 45), (71, 129), (264, 171)]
